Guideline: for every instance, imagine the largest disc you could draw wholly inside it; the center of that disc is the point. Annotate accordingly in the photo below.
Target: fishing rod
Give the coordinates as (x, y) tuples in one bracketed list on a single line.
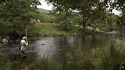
[(26, 32), (26, 35)]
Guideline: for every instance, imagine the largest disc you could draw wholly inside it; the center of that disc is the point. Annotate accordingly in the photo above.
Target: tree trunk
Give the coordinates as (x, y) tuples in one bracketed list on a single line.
[(94, 29), (84, 22), (65, 27), (84, 26)]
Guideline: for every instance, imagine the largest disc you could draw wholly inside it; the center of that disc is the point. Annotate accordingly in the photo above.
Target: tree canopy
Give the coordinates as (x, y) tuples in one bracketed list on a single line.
[(18, 13), (90, 9)]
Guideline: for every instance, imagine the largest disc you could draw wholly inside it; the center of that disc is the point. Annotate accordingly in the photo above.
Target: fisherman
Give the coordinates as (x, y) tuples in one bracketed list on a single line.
[(23, 44), (122, 66)]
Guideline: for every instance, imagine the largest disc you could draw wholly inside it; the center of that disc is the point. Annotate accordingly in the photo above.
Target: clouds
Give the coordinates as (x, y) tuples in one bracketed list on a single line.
[(116, 12), (44, 5), (49, 7)]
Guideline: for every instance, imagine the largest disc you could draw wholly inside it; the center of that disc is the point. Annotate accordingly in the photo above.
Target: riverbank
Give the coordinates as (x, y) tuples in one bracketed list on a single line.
[(42, 29), (53, 29), (46, 29)]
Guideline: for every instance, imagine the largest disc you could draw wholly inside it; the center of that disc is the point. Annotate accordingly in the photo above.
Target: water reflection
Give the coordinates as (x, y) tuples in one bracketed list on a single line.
[(55, 47)]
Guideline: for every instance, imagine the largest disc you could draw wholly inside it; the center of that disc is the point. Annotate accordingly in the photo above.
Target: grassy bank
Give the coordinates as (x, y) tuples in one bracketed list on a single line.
[(55, 29), (48, 29), (51, 29)]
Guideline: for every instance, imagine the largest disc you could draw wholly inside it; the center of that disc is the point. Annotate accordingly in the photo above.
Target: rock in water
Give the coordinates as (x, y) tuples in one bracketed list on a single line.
[(4, 40), (122, 66), (75, 34), (42, 44)]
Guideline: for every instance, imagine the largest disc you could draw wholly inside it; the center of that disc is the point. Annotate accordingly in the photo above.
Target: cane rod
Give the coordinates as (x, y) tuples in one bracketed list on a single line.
[(26, 33)]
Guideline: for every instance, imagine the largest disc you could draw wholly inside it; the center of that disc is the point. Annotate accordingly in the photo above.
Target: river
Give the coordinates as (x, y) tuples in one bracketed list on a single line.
[(53, 48)]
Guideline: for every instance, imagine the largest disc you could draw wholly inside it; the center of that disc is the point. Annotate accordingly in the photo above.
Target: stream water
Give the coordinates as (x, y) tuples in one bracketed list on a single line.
[(52, 48)]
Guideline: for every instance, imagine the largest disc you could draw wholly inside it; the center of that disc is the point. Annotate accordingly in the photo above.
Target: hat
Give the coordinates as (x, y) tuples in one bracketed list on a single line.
[(24, 38)]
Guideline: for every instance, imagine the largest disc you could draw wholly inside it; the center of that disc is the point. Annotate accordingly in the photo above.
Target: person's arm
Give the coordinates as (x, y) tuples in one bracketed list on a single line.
[(26, 43)]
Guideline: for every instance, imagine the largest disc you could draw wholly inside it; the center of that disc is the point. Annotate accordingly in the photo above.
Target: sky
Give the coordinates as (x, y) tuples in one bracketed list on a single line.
[(49, 7), (116, 12), (45, 5)]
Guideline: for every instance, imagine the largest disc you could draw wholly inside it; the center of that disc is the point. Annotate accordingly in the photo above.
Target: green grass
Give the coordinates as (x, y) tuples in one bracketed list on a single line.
[(55, 29), (49, 29)]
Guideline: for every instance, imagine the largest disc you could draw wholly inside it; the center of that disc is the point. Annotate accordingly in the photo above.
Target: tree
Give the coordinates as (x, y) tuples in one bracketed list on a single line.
[(91, 10), (64, 19), (85, 7), (120, 6), (18, 13)]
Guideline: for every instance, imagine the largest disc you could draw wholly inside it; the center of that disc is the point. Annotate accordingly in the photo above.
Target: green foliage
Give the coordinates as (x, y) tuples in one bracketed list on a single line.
[(46, 18), (67, 19), (110, 22), (92, 11), (18, 13), (120, 6), (66, 24), (86, 8), (106, 23)]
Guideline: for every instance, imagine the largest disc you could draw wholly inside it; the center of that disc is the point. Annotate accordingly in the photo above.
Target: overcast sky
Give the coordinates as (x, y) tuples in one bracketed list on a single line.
[(45, 5), (49, 7)]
